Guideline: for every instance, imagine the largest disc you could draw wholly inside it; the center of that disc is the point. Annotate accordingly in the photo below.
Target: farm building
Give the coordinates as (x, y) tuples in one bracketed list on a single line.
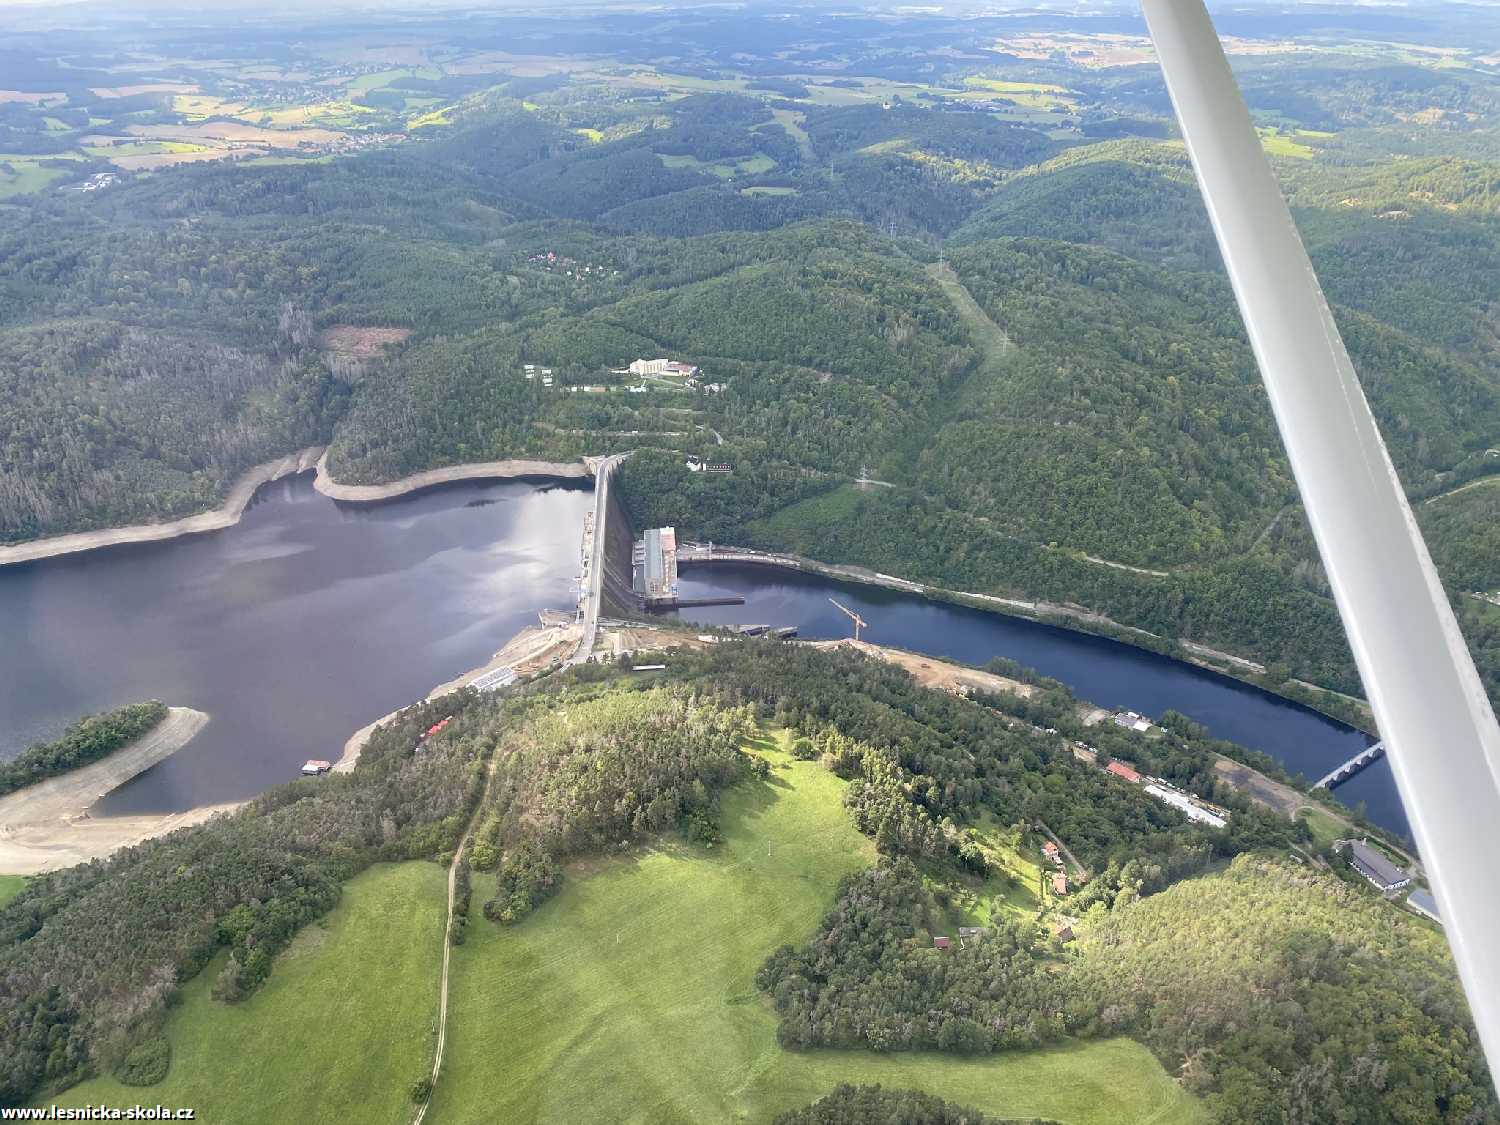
[(1376, 868), (1063, 933)]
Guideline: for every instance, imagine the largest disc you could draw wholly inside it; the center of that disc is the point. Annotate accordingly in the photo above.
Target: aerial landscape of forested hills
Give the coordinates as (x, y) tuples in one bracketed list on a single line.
[(979, 273), (958, 317)]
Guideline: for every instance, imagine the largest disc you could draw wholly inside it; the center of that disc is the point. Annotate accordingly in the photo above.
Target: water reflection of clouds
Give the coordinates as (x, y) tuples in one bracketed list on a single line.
[(291, 628)]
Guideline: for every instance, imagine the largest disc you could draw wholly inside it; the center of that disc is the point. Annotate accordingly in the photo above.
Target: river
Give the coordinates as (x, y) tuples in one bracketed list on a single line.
[(309, 618), (292, 629), (1100, 670)]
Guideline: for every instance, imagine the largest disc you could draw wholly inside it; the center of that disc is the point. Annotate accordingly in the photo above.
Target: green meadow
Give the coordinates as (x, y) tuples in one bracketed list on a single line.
[(10, 887), (630, 997), (340, 1031)]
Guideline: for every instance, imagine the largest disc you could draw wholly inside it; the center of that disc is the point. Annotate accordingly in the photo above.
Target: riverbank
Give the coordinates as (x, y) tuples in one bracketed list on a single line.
[(225, 515), (47, 826), (315, 459), (1352, 712), (432, 478), (532, 650)]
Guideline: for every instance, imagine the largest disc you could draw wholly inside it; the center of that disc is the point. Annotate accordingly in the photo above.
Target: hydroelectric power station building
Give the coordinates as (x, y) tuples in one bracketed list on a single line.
[(654, 568)]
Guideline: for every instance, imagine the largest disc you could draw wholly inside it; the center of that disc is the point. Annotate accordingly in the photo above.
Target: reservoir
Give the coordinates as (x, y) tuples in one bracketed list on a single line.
[(309, 619), (292, 629), (1097, 669)]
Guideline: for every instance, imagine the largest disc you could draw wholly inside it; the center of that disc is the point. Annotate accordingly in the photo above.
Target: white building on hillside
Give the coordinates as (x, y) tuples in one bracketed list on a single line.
[(662, 367)]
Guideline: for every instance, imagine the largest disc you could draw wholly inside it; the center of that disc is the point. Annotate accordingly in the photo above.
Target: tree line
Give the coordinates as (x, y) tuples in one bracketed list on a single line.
[(88, 740)]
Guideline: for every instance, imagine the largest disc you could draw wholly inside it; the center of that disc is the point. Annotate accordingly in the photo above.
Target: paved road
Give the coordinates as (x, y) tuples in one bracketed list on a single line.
[(602, 473)]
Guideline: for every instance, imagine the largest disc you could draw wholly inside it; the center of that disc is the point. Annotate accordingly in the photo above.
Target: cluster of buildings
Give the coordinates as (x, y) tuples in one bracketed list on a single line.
[(1194, 808), (1188, 805), (97, 182), (1131, 721), (697, 465), (346, 143), (1060, 876), (966, 936), (674, 369), (532, 371), (552, 262)]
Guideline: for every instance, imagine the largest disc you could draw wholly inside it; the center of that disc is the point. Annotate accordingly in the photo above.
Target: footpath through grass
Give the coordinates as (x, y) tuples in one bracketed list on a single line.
[(340, 1031), (631, 997)]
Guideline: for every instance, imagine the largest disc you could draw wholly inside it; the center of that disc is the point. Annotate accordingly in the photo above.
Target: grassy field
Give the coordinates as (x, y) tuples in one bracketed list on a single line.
[(340, 1031), (367, 82), (1277, 143), (20, 175), (724, 169), (10, 887), (1325, 828), (791, 121), (631, 998)]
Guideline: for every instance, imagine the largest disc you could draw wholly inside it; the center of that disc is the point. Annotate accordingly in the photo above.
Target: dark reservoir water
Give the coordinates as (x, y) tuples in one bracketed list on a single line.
[(1102, 671), (292, 629), (309, 619)]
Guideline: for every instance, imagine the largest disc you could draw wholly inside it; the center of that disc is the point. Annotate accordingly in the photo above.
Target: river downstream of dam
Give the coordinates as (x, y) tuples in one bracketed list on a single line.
[(1102, 671), (310, 618)]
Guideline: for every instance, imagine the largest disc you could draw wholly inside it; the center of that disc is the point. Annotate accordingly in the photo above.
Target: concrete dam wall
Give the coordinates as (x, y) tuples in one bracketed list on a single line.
[(617, 597)]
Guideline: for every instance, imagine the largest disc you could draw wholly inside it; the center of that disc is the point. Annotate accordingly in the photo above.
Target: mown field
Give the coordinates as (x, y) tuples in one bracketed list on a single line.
[(631, 996), (341, 1030), (10, 887)]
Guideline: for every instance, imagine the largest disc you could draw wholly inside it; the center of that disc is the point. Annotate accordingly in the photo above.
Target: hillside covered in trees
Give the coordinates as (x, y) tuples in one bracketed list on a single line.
[(595, 762), (1061, 396)]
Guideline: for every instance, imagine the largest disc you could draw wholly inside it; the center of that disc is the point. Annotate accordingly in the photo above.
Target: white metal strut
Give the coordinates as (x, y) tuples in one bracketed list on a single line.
[(1429, 704)]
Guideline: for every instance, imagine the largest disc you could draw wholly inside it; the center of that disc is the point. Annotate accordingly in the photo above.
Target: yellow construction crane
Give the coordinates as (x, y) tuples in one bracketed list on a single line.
[(859, 622)]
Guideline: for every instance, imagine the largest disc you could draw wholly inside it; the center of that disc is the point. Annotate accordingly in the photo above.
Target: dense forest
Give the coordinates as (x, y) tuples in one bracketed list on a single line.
[(87, 740), (1281, 993), (870, 978), (862, 1105)]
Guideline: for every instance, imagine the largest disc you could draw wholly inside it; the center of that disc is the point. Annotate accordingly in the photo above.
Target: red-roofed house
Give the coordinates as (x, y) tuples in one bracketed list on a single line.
[(1120, 769), (1049, 849), (941, 942)]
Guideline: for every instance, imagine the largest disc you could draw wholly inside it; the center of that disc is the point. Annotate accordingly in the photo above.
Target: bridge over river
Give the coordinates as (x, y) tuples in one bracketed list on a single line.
[(1351, 767)]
